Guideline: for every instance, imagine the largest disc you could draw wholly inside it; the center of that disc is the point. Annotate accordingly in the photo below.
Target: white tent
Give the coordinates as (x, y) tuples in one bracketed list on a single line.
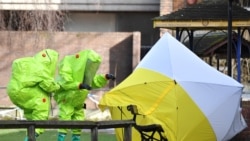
[(173, 87)]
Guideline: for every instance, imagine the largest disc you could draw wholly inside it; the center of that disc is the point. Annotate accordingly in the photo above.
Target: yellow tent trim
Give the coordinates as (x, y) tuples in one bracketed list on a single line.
[(162, 95)]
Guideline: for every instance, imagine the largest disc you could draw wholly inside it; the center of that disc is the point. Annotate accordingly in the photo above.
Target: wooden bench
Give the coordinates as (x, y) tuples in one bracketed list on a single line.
[(147, 131)]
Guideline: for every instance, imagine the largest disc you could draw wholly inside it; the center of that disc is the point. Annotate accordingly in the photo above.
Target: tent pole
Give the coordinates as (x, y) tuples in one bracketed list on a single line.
[(218, 62), (238, 55), (229, 44), (177, 33)]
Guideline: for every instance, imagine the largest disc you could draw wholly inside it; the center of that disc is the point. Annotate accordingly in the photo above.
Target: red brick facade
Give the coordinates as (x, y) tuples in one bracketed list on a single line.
[(245, 134)]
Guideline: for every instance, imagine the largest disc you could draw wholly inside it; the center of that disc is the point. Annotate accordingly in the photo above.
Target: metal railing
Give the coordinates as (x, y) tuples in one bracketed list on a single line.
[(54, 124)]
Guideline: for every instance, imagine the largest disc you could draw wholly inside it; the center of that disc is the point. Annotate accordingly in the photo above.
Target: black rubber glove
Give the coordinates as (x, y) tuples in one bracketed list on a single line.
[(84, 106), (84, 86), (110, 76)]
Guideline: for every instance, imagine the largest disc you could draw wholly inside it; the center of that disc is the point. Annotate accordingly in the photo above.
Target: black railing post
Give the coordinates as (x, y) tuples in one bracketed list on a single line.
[(94, 134), (127, 133), (31, 133)]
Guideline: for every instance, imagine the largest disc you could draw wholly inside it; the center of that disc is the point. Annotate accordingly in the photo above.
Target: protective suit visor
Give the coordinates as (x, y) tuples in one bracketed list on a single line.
[(90, 71)]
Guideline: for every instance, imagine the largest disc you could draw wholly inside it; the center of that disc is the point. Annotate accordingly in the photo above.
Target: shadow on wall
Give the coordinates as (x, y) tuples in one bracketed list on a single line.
[(121, 59)]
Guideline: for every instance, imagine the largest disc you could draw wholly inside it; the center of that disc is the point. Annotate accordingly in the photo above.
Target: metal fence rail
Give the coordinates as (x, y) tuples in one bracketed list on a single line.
[(54, 124)]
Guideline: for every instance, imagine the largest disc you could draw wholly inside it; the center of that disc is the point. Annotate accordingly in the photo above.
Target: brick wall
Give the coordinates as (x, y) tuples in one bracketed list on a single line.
[(115, 48), (166, 7), (245, 134)]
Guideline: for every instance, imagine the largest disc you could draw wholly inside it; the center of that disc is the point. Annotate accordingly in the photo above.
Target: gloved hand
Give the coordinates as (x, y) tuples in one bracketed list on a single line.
[(109, 76), (84, 86), (84, 106)]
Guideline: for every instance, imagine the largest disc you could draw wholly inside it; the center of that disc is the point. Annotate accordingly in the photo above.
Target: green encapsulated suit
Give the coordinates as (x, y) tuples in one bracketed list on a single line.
[(73, 71), (31, 84)]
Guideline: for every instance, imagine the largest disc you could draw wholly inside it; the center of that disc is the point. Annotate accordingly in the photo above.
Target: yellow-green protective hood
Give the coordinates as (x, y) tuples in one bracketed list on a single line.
[(32, 79), (37, 70), (76, 69), (72, 68), (48, 58)]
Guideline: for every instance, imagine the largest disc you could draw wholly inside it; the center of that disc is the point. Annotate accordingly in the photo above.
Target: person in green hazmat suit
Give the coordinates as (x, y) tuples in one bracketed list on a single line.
[(31, 84), (77, 75)]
